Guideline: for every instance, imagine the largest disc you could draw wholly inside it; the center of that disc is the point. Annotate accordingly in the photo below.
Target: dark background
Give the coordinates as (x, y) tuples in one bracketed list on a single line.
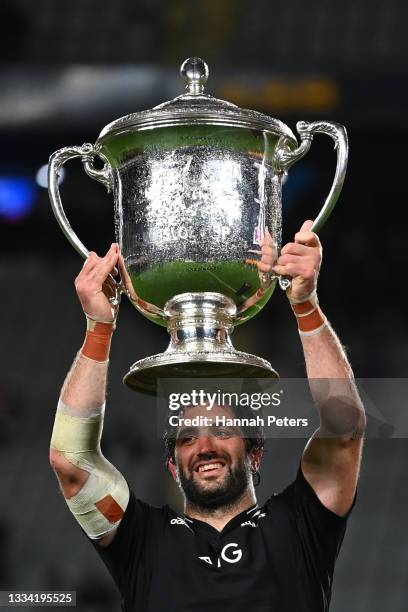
[(69, 68)]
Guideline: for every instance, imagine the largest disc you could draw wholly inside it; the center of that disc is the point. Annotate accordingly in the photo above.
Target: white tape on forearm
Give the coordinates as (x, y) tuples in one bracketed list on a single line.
[(78, 439), (83, 412), (76, 434)]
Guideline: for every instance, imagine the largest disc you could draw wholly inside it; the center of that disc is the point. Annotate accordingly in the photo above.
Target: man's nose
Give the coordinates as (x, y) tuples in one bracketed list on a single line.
[(206, 444)]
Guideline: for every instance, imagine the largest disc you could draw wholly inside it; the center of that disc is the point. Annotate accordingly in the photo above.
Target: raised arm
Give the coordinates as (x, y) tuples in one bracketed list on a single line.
[(331, 459), (95, 492)]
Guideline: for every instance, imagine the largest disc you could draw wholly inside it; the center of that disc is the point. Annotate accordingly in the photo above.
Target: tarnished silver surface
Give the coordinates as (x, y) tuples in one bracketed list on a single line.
[(197, 186)]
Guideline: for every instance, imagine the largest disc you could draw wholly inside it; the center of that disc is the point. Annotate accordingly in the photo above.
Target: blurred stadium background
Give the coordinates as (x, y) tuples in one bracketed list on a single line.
[(69, 68)]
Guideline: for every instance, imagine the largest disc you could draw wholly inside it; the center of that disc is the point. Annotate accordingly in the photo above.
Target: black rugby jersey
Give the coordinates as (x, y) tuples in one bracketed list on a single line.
[(276, 558)]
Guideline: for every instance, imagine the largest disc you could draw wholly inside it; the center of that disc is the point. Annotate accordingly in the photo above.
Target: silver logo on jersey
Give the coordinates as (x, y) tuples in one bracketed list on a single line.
[(259, 515), (179, 521), (227, 555)]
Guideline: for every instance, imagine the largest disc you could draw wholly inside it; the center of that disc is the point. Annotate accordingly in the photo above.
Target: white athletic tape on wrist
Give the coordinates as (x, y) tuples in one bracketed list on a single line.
[(312, 297), (100, 503), (95, 363), (90, 321)]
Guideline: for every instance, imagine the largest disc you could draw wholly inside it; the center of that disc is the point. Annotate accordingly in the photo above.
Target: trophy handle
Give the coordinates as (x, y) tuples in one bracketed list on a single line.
[(285, 158), (87, 153)]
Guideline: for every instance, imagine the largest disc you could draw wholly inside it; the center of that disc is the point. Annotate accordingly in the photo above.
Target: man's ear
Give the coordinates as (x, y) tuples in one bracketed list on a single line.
[(256, 459), (171, 466)]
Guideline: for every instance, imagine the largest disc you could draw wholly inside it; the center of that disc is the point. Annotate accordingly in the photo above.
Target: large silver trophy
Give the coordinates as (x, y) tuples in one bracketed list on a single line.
[(197, 186)]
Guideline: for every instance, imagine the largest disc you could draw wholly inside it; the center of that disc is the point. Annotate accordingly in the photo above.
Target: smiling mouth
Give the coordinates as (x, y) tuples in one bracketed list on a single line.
[(209, 467)]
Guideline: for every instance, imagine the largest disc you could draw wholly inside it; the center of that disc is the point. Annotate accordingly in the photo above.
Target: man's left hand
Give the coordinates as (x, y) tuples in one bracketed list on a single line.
[(301, 261)]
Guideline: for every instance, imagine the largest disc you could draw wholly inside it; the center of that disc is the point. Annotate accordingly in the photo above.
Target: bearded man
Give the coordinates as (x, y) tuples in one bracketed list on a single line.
[(225, 552)]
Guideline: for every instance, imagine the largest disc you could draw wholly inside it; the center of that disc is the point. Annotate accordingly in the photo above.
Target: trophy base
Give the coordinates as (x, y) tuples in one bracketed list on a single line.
[(144, 374), (199, 325)]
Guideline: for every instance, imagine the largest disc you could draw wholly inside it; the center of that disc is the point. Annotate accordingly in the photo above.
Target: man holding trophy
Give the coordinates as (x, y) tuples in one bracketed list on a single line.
[(197, 184), (277, 557)]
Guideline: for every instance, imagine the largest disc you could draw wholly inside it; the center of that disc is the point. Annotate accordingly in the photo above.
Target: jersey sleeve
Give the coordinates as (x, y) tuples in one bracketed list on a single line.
[(321, 531), (128, 556)]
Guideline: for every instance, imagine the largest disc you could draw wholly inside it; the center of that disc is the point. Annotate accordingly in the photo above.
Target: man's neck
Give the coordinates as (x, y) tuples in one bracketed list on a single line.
[(221, 516)]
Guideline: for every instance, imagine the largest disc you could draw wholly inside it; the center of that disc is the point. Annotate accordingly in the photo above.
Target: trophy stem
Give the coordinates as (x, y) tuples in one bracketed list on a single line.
[(199, 325), (199, 322)]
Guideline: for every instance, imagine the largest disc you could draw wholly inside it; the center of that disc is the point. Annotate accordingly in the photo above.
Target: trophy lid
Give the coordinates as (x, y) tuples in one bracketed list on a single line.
[(197, 108)]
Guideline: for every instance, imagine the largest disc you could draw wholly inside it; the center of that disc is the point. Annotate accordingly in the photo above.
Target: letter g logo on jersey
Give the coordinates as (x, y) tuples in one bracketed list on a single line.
[(233, 556)]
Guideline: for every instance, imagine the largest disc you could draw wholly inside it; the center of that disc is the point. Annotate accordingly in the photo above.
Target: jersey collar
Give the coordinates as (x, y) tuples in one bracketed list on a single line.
[(196, 524)]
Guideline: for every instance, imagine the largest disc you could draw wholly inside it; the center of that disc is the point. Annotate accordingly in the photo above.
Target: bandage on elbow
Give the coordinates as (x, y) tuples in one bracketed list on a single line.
[(98, 340), (101, 502)]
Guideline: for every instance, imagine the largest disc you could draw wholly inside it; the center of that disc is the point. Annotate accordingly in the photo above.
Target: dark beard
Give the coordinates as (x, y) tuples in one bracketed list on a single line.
[(225, 495)]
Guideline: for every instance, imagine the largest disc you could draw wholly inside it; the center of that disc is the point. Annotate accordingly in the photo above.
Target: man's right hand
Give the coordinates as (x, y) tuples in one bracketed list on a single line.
[(94, 285)]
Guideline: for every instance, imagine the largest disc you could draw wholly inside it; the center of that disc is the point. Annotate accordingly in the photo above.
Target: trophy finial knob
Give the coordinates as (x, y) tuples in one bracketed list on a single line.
[(195, 72)]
